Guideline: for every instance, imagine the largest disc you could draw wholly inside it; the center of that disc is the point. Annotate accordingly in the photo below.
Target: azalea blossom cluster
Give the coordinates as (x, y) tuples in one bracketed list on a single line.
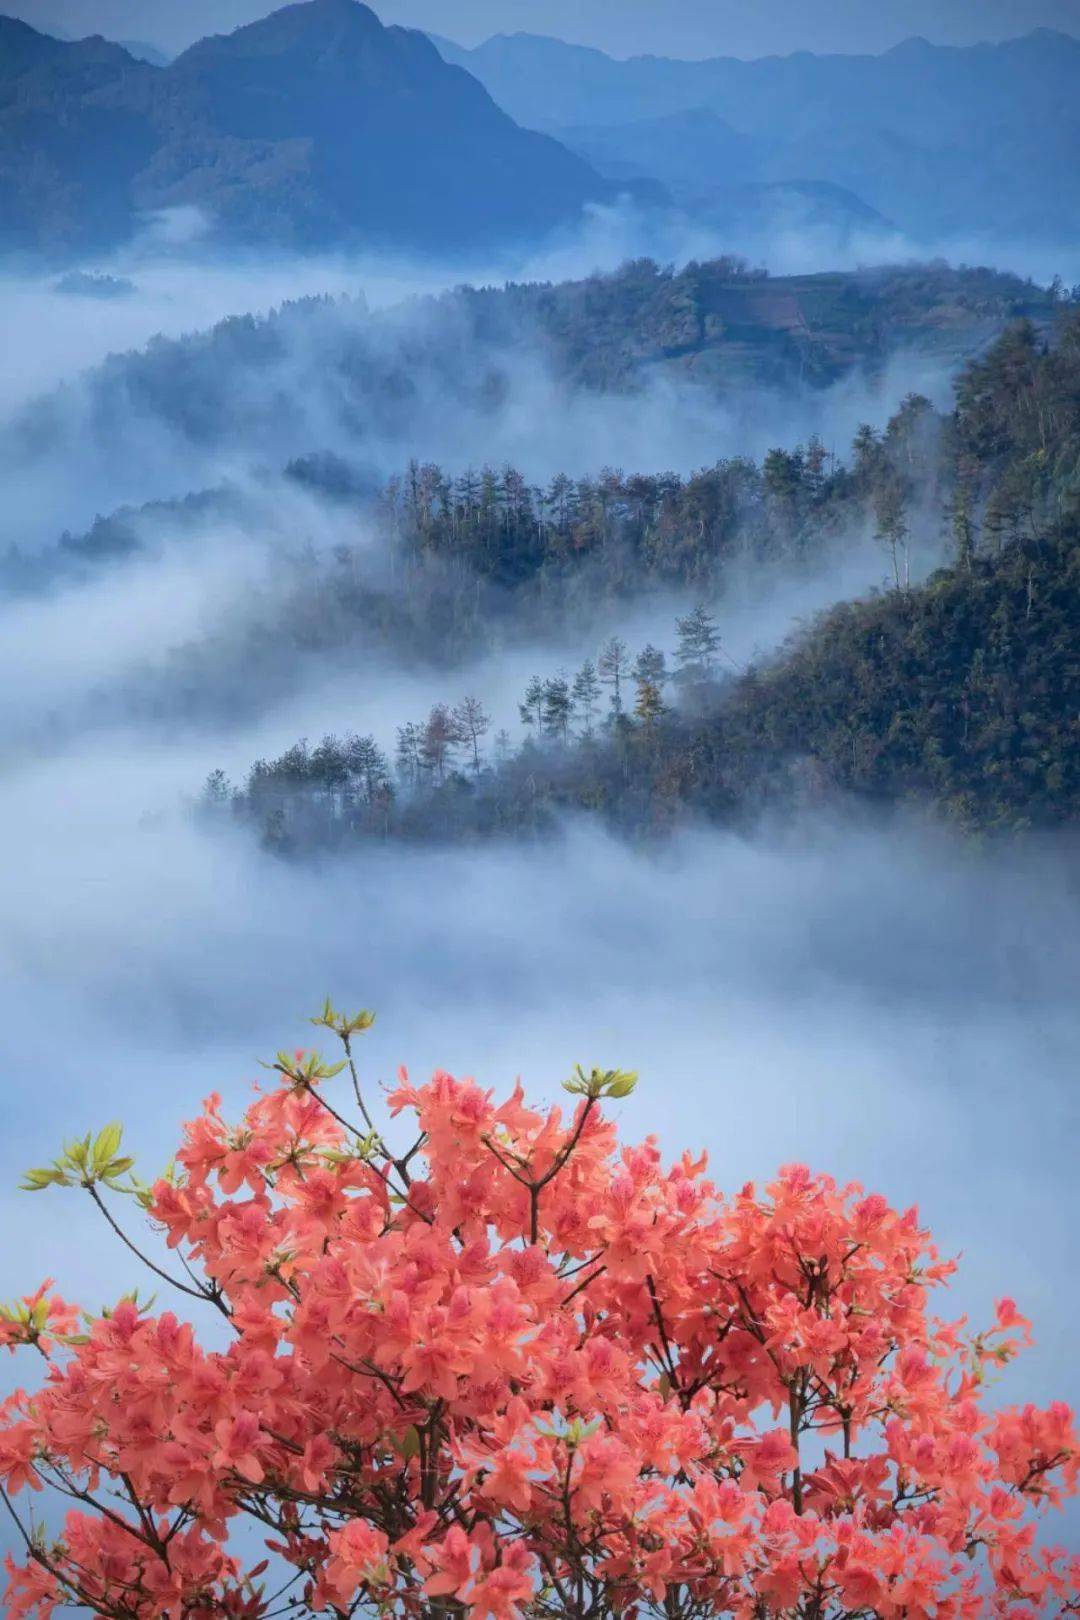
[(513, 1369)]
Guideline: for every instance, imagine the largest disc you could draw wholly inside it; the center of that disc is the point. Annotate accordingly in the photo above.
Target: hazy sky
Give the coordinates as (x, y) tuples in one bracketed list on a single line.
[(666, 27)]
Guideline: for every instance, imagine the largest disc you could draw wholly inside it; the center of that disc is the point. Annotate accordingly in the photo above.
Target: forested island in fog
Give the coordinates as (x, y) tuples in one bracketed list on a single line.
[(959, 691)]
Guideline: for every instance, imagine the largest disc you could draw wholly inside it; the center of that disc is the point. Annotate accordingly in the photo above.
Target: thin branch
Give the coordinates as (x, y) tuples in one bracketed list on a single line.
[(584, 1283), (205, 1294), (669, 1359), (39, 1557)]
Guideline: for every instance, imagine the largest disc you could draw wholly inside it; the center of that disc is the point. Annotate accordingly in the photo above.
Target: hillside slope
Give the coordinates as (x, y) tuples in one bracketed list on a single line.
[(719, 323)]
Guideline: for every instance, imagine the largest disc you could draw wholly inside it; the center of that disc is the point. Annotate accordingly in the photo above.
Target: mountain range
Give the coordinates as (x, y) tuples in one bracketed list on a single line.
[(314, 127), (317, 127), (687, 28), (943, 141)]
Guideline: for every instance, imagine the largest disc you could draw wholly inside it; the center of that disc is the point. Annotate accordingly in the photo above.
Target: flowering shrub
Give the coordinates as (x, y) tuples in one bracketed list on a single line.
[(514, 1369)]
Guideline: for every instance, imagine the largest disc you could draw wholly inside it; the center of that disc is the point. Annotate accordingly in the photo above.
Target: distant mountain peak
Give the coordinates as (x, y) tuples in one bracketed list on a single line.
[(24, 48), (916, 45), (325, 24), (10, 27), (1047, 36), (318, 12), (17, 35), (313, 125), (521, 36)]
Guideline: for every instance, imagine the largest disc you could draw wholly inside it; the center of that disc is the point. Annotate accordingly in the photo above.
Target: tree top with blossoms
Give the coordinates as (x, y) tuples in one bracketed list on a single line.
[(509, 1368)]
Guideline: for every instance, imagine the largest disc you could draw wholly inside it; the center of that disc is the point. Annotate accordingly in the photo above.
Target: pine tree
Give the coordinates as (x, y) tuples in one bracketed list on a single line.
[(467, 493), (817, 461), (407, 758), (472, 722), (699, 643), (892, 527), (586, 697), (650, 705), (328, 765), (613, 669), (782, 472), (532, 709), (366, 765), (440, 737), (557, 707), (217, 790), (651, 665), (560, 500), (869, 456)]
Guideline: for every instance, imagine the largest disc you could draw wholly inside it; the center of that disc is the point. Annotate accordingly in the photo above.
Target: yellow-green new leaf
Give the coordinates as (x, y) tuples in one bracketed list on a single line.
[(107, 1143), (38, 1180)]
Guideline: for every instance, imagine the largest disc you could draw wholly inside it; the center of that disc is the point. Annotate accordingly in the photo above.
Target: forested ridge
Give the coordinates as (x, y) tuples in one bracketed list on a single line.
[(324, 372), (960, 693)]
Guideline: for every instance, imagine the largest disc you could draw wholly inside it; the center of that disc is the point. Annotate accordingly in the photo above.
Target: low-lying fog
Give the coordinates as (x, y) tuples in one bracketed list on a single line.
[(170, 282), (126, 442), (162, 642), (878, 1004)]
